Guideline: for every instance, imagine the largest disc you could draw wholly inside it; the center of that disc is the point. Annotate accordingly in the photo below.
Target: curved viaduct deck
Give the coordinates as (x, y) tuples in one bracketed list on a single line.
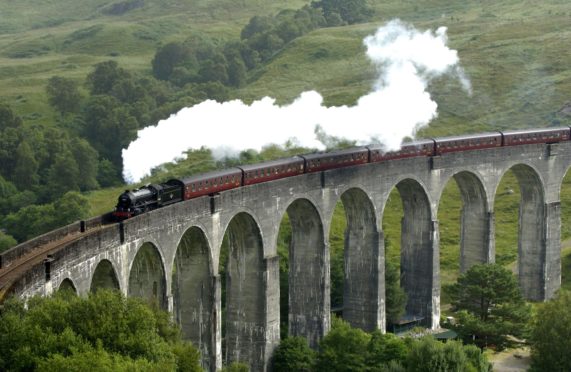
[(172, 254)]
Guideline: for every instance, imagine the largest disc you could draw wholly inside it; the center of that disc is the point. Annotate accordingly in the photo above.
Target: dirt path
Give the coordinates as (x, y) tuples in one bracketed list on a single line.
[(513, 360)]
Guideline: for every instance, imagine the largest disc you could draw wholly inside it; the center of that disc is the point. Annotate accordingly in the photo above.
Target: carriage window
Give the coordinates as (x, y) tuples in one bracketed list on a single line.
[(193, 187)]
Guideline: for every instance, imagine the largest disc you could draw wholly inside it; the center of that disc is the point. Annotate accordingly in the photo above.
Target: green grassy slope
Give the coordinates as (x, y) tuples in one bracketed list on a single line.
[(514, 54), (66, 38)]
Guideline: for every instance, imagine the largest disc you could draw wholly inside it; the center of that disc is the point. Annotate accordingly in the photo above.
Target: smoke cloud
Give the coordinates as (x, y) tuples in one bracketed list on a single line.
[(398, 105)]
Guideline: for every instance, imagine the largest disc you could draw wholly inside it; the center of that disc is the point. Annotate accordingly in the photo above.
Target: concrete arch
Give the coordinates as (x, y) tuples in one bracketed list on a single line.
[(147, 275), (245, 293), (419, 253), (229, 219), (67, 285), (531, 231), (193, 292), (363, 289), (308, 278), (476, 222), (104, 276)]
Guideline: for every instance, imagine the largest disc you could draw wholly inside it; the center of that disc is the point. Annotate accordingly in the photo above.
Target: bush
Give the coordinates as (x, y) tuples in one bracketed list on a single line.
[(551, 335), (293, 354), (103, 332)]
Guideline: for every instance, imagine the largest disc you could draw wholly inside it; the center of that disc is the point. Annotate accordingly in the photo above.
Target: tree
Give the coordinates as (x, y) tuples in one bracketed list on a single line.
[(343, 348), (6, 241), (63, 95), (430, 355), (236, 72), (10, 139), (350, 11), (490, 305), (109, 174), (7, 118), (213, 71), (109, 127), (63, 176), (550, 337), (256, 25), (384, 349), (168, 57), (293, 354), (395, 296), (104, 76), (86, 158), (71, 207), (30, 221), (102, 332), (26, 169)]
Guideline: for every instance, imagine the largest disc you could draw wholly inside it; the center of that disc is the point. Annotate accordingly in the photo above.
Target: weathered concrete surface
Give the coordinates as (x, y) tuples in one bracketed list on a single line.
[(173, 254)]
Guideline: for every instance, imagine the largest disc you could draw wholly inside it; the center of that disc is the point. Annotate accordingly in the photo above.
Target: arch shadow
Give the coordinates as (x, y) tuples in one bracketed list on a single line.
[(147, 276), (193, 293), (104, 277), (531, 232)]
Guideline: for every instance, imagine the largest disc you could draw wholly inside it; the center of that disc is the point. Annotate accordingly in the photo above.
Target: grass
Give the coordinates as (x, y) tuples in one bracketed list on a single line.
[(67, 38)]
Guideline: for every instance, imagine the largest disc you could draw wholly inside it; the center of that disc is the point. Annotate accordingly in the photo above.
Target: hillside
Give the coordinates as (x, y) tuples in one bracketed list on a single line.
[(66, 38), (513, 53)]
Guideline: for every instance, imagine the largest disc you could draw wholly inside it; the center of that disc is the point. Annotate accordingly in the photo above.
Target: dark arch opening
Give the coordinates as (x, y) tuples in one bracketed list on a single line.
[(147, 276), (244, 326), (565, 198), (67, 286), (409, 246), (362, 285), (192, 292), (307, 274), (464, 224), (104, 277), (527, 234)]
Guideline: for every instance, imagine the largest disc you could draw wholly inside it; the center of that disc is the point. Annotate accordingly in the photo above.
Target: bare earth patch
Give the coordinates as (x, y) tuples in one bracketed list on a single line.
[(512, 360)]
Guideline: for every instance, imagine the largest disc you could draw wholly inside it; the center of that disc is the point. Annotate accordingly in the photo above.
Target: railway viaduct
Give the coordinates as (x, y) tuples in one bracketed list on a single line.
[(172, 255)]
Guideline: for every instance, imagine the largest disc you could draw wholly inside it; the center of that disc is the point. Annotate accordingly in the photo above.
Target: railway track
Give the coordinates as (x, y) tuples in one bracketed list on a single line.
[(9, 275)]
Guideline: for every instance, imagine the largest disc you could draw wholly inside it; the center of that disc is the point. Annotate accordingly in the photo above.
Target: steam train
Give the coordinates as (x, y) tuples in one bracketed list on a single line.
[(134, 202)]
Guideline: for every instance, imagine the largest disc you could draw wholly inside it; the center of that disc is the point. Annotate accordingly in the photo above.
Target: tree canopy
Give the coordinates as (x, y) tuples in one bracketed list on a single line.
[(550, 337), (349, 11), (349, 349), (103, 332), (490, 306), (293, 354), (63, 94)]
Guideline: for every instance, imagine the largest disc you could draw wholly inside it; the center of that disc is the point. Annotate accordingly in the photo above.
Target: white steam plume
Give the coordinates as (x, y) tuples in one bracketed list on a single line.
[(397, 107)]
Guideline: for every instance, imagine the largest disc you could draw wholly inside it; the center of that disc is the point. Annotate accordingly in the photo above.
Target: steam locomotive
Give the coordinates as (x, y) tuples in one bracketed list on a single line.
[(134, 202)]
